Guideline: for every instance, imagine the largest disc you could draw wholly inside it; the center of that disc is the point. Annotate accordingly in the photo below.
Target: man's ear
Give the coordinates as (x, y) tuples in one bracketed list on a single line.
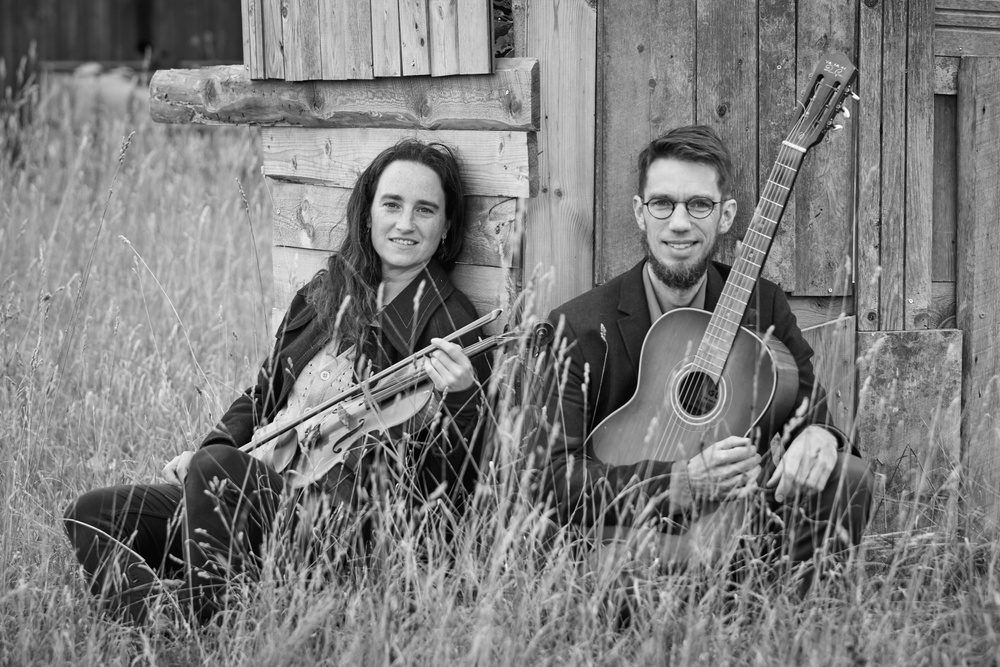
[(637, 207), (728, 215)]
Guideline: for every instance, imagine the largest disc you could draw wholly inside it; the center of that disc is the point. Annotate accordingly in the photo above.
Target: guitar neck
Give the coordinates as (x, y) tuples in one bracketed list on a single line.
[(725, 321)]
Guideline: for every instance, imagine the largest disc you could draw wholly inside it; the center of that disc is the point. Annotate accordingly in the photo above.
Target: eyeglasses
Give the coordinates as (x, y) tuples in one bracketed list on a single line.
[(697, 207)]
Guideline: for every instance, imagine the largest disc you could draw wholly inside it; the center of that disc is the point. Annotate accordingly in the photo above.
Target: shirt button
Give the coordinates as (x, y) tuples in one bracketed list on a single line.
[(325, 376)]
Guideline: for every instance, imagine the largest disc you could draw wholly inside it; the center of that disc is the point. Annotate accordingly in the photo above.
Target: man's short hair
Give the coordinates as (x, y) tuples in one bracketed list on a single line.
[(691, 143)]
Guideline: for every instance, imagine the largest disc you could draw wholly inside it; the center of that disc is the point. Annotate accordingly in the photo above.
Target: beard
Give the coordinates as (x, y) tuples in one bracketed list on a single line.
[(685, 276)]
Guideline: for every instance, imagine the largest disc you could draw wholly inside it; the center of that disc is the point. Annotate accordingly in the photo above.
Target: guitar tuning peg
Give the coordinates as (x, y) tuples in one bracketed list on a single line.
[(845, 112), (837, 127), (855, 96)]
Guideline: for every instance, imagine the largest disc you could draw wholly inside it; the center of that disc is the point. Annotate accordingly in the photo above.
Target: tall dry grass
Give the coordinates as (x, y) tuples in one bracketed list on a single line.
[(131, 313)]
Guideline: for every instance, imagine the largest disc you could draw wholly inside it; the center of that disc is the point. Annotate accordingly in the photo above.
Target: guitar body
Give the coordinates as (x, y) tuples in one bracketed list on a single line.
[(677, 411)]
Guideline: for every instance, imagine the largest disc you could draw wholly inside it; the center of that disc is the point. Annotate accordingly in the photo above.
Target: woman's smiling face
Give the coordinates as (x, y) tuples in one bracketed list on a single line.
[(408, 217)]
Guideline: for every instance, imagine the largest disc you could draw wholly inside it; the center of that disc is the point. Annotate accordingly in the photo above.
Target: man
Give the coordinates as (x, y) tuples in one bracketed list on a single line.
[(682, 208)]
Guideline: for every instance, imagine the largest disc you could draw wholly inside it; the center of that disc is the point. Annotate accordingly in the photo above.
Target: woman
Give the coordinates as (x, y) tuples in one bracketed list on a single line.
[(385, 295)]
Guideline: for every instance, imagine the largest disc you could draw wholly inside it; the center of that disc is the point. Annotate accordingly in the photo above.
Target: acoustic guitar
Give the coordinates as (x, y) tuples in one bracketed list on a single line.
[(703, 377)]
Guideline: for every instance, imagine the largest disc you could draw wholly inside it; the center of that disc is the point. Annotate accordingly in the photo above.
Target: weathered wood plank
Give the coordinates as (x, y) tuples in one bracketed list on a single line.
[(892, 255), (833, 343), (274, 41), (300, 31), (225, 95), (345, 39), (443, 32), (967, 28), (252, 12), (824, 192), (487, 287), (776, 111), (559, 228), (413, 37), (312, 216), (959, 42), (945, 187), (979, 276), (646, 88), (943, 306), (813, 311), (919, 167), (945, 75), (495, 164), (869, 206), (475, 36), (386, 49), (909, 411), (726, 83)]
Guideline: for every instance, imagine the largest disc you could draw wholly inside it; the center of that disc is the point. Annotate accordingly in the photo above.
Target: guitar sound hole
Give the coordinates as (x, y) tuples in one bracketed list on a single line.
[(697, 393)]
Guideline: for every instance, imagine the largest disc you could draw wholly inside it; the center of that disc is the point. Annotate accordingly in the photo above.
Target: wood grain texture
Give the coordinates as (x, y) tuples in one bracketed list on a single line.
[(506, 100), (559, 227), (313, 216), (726, 81), (386, 49), (414, 37), (300, 30), (812, 311), (892, 248), (495, 164), (443, 33), (919, 165), (869, 205), (475, 36), (834, 345), (274, 41), (967, 28), (776, 111), (646, 88), (945, 75), (979, 275), (824, 193), (345, 39), (945, 189), (487, 287), (252, 13), (909, 411)]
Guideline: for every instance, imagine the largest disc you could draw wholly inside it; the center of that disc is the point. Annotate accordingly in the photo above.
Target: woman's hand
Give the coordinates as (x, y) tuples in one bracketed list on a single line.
[(177, 469), (448, 367)]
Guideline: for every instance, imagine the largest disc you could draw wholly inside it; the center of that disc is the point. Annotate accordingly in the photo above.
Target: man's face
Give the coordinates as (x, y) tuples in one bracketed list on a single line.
[(680, 247)]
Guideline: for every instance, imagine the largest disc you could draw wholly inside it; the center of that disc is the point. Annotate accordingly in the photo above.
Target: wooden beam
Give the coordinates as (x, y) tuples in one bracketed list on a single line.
[(253, 37), (414, 37), (892, 247), (387, 58), (869, 205), (274, 45), (506, 100), (495, 164), (945, 75), (945, 188), (979, 275), (559, 228), (777, 109), (345, 39), (909, 389), (919, 169), (814, 311), (487, 287), (312, 216), (300, 31), (646, 88), (967, 28), (443, 32)]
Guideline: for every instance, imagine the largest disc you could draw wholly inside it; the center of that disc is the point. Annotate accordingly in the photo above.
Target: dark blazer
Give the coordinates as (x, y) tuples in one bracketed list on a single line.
[(402, 331), (603, 331)]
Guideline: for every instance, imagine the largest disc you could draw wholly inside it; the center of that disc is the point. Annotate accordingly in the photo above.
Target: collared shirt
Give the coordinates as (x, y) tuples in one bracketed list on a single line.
[(655, 311)]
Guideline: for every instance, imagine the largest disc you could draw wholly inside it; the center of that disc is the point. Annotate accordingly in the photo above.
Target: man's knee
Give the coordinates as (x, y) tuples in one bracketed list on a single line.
[(853, 480)]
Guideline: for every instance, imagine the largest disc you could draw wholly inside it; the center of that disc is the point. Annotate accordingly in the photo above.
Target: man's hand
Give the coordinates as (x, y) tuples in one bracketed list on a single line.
[(806, 466), (177, 469), (722, 468)]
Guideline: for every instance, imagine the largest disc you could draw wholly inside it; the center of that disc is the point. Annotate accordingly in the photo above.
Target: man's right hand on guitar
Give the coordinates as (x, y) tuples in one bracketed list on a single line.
[(719, 470)]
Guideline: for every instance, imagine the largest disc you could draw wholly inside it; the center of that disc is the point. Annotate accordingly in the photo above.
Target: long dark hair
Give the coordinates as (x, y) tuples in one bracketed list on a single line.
[(356, 270)]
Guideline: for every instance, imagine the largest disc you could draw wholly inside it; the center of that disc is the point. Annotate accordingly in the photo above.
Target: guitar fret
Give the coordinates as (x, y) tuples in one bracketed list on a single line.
[(779, 185)]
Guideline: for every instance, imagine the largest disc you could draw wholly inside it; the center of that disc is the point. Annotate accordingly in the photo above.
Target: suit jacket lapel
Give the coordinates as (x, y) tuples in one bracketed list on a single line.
[(635, 322)]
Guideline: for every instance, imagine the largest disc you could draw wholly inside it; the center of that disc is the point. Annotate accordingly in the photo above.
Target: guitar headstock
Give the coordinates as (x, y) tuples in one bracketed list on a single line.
[(831, 84)]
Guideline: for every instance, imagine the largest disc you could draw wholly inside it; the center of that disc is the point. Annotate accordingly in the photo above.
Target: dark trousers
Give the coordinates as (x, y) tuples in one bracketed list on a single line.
[(129, 537)]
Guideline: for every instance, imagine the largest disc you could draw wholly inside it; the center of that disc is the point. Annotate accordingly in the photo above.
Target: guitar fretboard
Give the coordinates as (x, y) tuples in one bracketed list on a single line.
[(725, 321)]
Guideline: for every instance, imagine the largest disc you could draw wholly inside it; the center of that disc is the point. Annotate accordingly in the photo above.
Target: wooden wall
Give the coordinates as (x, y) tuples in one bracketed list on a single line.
[(117, 30)]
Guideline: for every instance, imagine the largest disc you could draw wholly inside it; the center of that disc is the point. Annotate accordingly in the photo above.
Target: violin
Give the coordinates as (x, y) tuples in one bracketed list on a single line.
[(306, 448)]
